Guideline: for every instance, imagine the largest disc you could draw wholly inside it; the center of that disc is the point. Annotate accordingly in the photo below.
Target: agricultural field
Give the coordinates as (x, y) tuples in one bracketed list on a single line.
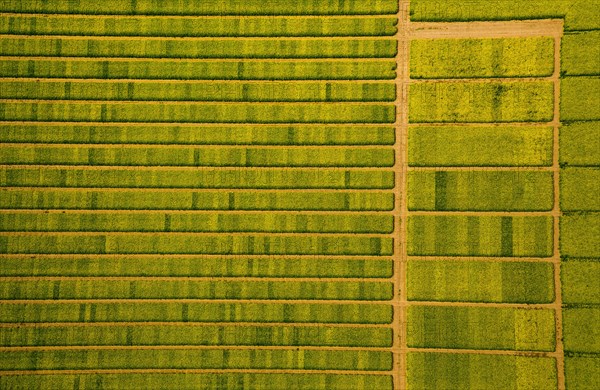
[(311, 194)]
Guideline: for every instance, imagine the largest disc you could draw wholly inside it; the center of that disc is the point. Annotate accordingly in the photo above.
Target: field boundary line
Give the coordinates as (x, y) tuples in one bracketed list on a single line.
[(242, 38), (532, 168), (481, 213), (175, 59), (479, 80), (107, 324), (348, 302), (491, 29), (446, 258), (191, 124), (200, 102), (508, 352), (201, 256), (189, 167), (99, 371), (187, 189), (43, 144), (197, 234), (269, 279), (481, 124), (205, 16), (290, 212), (192, 347)]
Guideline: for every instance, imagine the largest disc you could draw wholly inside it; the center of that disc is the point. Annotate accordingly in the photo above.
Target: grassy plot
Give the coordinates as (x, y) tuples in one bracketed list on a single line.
[(581, 53), (582, 372), (193, 178), (485, 101), (107, 133), (193, 289), (148, 199), (580, 98), (182, 69), (182, 359), (189, 156), (579, 143), (197, 112), (208, 381), (580, 281), (214, 91), (166, 243), (198, 335), (192, 266), (480, 190), (579, 189), (481, 328), (581, 330), (206, 7), (175, 311), (194, 222), (474, 281), (579, 235), (147, 26), (466, 58), (203, 48), (480, 236), (477, 371), (480, 146)]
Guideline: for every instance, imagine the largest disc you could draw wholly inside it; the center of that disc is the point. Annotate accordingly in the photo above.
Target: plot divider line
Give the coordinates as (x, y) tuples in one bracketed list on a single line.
[(101, 324)]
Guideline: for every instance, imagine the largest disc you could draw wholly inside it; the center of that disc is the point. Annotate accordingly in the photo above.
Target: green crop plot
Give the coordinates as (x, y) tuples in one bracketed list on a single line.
[(474, 281), (182, 69), (579, 144), (480, 146), (581, 331), (580, 98), (480, 190), (102, 25), (176, 311), (444, 102), (148, 199), (467, 58), (582, 372), (581, 53), (480, 236), (480, 328), (194, 266), (579, 235), (460, 371), (580, 281), (579, 189)]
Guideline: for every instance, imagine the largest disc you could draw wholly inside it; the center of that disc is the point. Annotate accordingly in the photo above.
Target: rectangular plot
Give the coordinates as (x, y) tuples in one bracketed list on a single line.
[(188, 359), (196, 112), (194, 69), (205, 381), (193, 266), (188, 289), (458, 102), (206, 7), (582, 372), (579, 189), (203, 48), (205, 157), (480, 281), (581, 330), (579, 144), (247, 26), (466, 58), (580, 281), (480, 190), (480, 146), (175, 311), (215, 91), (167, 243), (580, 99), (205, 178), (490, 372), (579, 235), (480, 236), (581, 53), (194, 222), (190, 200), (481, 328), (197, 135)]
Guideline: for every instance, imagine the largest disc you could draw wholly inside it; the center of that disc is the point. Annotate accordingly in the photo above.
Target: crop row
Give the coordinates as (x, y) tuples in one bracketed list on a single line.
[(197, 112), (183, 200), (193, 289), (190, 243), (506, 57), (206, 157), (143, 177), (214, 91), (148, 26), (192, 222), (479, 281), (211, 48), (177, 311), (480, 190), (182, 69), (206, 266)]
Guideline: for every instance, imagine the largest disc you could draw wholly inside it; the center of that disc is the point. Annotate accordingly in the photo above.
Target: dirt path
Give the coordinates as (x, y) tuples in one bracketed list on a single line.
[(508, 29)]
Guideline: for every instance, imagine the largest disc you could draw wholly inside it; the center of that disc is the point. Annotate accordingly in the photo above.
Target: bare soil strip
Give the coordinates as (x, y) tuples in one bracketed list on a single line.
[(200, 234), (195, 211), (187, 168), (187, 189), (485, 213), (191, 348), (508, 29), (174, 59), (9, 325), (485, 352), (196, 102), (483, 258), (483, 168), (192, 146), (482, 124), (192, 371), (196, 17), (137, 38), (194, 279)]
